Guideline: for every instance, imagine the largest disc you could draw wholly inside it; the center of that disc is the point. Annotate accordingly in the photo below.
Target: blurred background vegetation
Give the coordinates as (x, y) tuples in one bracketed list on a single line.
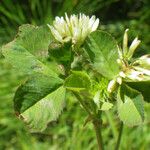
[(68, 132)]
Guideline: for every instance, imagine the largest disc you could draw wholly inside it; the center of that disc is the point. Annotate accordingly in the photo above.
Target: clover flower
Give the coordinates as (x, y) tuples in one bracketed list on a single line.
[(139, 69), (75, 28), (131, 71)]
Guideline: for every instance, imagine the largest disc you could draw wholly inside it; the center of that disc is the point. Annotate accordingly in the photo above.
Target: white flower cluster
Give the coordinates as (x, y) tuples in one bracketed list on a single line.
[(139, 70), (76, 28), (136, 71)]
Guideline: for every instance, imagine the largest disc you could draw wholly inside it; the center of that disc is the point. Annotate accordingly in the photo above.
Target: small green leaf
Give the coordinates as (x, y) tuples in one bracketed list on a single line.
[(130, 106), (44, 111), (96, 98), (101, 103), (101, 88), (78, 81), (143, 87), (103, 53), (106, 106)]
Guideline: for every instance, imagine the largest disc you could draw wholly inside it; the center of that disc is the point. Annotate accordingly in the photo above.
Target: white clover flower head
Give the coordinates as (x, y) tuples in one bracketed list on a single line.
[(130, 70), (139, 69), (75, 28)]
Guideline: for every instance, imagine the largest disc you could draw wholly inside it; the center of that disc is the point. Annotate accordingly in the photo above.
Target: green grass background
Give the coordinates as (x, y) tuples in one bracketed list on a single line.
[(68, 132)]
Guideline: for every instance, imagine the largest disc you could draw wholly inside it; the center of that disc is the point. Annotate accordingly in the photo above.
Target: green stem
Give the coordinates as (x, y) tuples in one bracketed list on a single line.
[(119, 136), (97, 128), (82, 103), (96, 120), (112, 124)]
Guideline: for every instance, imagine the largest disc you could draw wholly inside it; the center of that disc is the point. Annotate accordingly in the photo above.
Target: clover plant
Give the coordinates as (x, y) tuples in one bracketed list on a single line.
[(73, 57)]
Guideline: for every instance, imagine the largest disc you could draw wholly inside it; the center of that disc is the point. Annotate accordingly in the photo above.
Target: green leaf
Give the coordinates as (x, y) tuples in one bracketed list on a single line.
[(46, 110), (78, 81), (103, 53), (106, 106), (96, 98), (39, 100), (130, 106), (143, 87), (33, 90), (34, 39), (24, 61), (27, 51), (101, 103), (60, 52)]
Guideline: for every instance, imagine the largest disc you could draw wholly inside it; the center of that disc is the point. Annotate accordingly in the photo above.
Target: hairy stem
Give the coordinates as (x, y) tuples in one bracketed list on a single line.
[(119, 137)]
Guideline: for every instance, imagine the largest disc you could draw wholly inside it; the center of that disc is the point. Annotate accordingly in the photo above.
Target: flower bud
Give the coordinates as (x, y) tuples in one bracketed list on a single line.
[(119, 80), (125, 42), (132, 47), (112, 86)]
